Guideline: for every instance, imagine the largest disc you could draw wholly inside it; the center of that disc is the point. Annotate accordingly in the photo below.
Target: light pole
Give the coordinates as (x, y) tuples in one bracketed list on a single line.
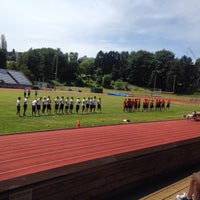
[(174, 83), (155, 83), (56, 68)]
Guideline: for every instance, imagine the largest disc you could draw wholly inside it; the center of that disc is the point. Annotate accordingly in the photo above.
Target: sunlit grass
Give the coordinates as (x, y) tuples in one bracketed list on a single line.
[(112, 112)]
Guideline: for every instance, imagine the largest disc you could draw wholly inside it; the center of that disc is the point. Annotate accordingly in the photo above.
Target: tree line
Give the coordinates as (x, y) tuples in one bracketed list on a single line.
[(108, 69)]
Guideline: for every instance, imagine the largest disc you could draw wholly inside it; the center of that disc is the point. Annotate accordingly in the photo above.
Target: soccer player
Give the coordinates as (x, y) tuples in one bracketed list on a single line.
[(18, 106), (94, 101), (25, 105), (83, 104), (49, 105), (71, 105), (39, 105), (67, 105), (44, 105), (62, 102), (87, 104), (56, 101), (77, 104), (99, 105), (34, 107)]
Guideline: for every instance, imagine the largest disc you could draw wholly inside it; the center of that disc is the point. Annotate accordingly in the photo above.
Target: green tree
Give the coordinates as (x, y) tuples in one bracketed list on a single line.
[(100, 61), (3, 59), (165, 60), (140, 66), (31, 59), (197, 64), (87, 67), (12, 65), (189, 74), (173, 77), (124, 65), (107, 81), (47, 64), (11, 56), (72, 70)]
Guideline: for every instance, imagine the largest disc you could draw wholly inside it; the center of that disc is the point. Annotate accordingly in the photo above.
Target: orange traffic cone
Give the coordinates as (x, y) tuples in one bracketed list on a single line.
[(78, 123)]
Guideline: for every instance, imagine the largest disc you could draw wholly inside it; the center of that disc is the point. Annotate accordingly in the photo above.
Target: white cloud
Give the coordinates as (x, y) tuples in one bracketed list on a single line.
[(88, 26)]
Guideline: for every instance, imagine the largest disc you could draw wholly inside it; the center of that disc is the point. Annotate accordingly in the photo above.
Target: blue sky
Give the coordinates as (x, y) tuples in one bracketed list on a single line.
[(88, 26)]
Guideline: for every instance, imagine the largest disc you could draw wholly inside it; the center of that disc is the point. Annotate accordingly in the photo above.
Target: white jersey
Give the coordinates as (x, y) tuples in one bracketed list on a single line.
[(38, 102), (18, 102), (44, 101), (66, 101), (94, 101), (83, 102), (78, 102), (48, 101), (34, 102), (56, 101), (61, 101), (71, 102), (25, 101), (99, 102)]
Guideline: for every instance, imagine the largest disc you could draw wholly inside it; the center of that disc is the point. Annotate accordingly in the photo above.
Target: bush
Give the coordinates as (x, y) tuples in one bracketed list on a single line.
[(107, 81), (120, 85)]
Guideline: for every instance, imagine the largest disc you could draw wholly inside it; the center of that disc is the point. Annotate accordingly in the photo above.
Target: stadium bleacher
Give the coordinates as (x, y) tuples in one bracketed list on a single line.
[(5, 78), (13, 78), (19, 77)]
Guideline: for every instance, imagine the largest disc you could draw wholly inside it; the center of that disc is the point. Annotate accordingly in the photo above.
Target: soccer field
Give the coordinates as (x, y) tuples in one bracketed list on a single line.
[(112, 112)]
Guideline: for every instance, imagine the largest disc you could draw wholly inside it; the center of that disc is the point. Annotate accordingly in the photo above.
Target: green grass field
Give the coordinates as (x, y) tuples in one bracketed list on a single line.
[(112, 112)]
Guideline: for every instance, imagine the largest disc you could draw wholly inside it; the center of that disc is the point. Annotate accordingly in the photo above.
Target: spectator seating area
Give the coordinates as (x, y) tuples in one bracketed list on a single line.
[(13, 79)]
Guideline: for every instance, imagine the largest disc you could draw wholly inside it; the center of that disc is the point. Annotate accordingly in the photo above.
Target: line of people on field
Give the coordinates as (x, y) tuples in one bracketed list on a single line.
[(61, 105), (135, 104), (27, 92)]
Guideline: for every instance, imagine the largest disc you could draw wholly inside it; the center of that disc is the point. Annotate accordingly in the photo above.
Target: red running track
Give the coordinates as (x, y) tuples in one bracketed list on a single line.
[(23, 154)]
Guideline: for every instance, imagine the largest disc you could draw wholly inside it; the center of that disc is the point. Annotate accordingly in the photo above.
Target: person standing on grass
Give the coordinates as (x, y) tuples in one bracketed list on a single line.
[(24, 92), (56, 101), (125, 105), (29, 93), (34, 107), (18, 106), (49, 105), (71, 105), (25, 105), (83, 104), (99, 105), (168, 104), (91, 104), (44, 105), (67, 105), (151, 105), (87, 104), (39, 105), (139, 103), (36, 93), (77, 104), (94, 102), (194, 189), (62, 102), (163, 104)]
